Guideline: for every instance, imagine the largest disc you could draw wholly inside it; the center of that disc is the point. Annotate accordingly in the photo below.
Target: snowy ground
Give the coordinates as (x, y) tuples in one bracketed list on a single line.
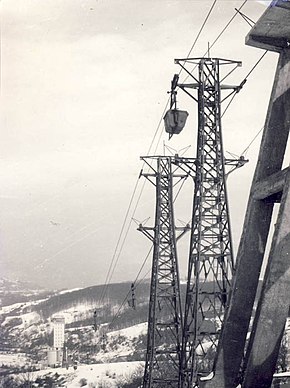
[(12, 359), (95, 374), (130, 332), (120, 343)]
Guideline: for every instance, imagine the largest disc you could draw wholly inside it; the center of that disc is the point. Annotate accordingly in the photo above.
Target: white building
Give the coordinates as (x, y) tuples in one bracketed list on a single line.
[(58, 332), (55, 353)]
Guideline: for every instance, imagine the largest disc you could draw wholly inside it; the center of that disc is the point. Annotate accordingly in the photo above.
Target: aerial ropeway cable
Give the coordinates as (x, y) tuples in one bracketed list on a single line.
[(114, 260), (116, 256), (117, 251)]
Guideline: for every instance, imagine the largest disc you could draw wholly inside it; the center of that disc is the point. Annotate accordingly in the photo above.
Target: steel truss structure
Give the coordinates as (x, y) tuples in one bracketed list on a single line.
[(211, 264), (164, 338), (257, 358)]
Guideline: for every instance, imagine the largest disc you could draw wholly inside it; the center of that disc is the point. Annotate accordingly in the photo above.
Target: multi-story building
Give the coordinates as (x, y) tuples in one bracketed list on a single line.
[(58, 332), (55, 354)]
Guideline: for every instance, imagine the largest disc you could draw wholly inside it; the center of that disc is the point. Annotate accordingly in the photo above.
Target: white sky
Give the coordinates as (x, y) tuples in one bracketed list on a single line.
[(84, 85)]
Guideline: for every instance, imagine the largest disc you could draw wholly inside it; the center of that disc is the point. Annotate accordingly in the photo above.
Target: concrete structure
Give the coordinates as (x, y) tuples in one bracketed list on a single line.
[(55, 357), (272, 32), (287, 332), (51, 357), (55, 353)]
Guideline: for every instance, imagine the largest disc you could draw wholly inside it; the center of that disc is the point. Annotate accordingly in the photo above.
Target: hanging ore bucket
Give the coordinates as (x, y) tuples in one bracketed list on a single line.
[(174, 121)]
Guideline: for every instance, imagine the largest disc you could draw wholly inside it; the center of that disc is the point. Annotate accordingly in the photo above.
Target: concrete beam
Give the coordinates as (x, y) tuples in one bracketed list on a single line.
[(270, 186), (273, 307), (272, 30)]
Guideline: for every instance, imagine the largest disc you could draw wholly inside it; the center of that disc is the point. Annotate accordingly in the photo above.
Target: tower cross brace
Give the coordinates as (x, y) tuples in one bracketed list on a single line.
[(211, 264), (163, 354)]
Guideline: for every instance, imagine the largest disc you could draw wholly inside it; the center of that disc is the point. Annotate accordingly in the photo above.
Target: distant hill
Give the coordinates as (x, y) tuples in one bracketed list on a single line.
[(120, 335), (83, 302), (17, 285), (16, 291), (25, 325)]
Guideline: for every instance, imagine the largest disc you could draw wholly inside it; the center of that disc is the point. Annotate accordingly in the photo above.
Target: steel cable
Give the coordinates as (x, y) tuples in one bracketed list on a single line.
[(115, 258)]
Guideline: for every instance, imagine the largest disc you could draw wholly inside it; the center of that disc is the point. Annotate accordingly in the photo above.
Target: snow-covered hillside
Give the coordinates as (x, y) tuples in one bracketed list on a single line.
[(26, 327), (122, 344), (12, 292), (101, 370), (109, 375)]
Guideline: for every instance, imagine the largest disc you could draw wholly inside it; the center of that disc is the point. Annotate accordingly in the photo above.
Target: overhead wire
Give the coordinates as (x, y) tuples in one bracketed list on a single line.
[(144, 277), (119, 238), (243, 82), (113, 266), (164, 111), (200, 30), (135, 281), (243, 153), (152, 142), (132, 219), (238, 11), (125, 237), (256, 64), (226, 26), (116, 257), (252, 141), (220, 34), (130, 222), (248, 20)]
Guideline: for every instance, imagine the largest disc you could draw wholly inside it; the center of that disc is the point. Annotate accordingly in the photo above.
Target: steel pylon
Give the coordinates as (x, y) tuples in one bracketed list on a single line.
[(211, 264), (164, 337)]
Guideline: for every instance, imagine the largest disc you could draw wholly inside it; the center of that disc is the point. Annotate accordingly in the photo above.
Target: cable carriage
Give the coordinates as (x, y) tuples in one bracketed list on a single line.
[(132, 301), (174, 119), (95, 325)]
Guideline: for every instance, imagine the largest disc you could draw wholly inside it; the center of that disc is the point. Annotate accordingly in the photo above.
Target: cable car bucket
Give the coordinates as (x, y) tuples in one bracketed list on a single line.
[(174, 119)]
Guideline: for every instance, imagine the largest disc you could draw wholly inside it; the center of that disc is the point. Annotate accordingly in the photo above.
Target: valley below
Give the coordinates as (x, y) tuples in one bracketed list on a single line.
[(107, 351)]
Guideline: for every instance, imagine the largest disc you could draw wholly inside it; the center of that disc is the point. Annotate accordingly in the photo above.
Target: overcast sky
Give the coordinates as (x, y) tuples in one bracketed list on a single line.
[(84, 86)]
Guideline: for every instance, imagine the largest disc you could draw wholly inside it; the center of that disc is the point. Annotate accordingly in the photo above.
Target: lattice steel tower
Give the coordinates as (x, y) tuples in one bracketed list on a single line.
[(211, 264), (164, 338)]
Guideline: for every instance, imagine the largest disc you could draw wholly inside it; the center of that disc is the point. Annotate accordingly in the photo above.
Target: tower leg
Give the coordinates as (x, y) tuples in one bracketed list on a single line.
[(211, 265), (165, 318), (255, 232)]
